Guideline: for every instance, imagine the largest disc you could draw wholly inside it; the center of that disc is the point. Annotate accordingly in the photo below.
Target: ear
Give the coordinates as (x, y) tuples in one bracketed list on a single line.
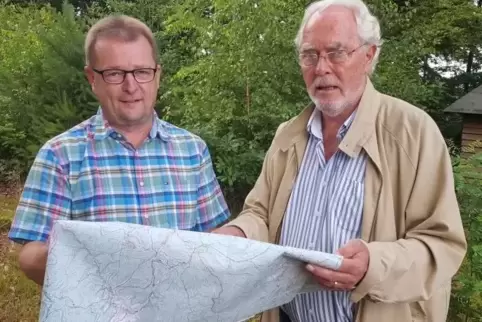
[(369, 56), (89, 74)]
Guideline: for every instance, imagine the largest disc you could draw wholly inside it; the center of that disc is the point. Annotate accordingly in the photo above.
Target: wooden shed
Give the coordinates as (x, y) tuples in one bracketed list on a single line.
[(470, 107)]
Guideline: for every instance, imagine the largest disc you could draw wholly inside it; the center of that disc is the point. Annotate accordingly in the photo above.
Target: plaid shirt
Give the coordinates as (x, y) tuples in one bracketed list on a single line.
[(92, 173)]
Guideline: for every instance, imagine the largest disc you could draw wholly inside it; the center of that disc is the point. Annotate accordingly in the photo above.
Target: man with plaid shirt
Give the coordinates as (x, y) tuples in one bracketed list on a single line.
[(124, 163)]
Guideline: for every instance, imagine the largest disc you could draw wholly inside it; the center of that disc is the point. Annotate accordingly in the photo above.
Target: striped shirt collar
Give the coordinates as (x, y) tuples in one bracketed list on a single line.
[(102, 129), (315, 126)]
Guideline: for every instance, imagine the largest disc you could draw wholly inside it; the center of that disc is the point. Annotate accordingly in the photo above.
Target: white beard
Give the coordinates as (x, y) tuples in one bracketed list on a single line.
[(331, 109)]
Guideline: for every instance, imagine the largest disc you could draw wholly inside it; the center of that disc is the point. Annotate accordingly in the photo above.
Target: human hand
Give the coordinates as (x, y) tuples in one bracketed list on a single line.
[(353, 268), (229, 230)]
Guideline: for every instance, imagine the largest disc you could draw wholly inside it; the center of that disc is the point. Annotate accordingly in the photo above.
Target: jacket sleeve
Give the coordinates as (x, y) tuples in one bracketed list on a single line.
[(253, 219), (433, 248)]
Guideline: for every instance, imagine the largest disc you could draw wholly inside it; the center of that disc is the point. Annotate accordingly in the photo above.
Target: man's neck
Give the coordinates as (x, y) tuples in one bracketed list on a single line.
[(135, 134), (331, 125)]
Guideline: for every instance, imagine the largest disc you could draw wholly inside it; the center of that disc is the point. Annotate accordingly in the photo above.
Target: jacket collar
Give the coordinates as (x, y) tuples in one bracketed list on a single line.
[(358, 135), (363, 125)]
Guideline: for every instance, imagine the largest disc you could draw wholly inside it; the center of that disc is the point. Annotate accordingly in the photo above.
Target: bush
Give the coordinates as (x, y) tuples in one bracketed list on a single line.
[(44, 91), (466, 302)]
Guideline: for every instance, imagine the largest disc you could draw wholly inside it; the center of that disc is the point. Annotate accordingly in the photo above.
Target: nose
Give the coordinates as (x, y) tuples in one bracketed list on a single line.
[(130, 84), (323, 66)]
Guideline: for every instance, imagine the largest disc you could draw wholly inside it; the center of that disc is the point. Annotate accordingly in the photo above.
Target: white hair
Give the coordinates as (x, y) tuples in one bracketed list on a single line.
[(367, 24)]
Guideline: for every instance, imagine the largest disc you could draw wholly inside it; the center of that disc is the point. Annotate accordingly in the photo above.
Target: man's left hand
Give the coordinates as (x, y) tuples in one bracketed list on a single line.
[(352, 270)]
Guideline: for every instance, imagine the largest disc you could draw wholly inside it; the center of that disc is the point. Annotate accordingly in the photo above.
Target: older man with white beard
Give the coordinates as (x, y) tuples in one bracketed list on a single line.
[(362, 174)]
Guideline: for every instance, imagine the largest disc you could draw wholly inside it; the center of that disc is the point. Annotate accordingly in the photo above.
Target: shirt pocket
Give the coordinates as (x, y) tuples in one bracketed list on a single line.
[(349, 210), (174, 199)]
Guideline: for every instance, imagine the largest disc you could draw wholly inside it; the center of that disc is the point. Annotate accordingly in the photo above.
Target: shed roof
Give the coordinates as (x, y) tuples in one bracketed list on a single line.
[(471, 103)]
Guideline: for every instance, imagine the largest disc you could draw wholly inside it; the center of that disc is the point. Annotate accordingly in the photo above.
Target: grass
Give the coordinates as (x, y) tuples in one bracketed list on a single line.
[(7, 208), (19, 297)]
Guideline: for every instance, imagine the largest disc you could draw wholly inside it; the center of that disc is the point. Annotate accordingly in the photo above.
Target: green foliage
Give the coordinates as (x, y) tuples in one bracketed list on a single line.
[(44, 90), (243, 84), (466, 300), (60, 83), (20, 50), (230, 71)]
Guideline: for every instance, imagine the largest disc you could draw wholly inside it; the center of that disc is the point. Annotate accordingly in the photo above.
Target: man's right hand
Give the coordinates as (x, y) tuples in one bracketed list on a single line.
[(33, 260), (229, 230)]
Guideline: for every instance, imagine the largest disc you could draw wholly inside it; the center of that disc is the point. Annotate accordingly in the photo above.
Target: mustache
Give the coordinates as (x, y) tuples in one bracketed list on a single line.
[(324, 82)]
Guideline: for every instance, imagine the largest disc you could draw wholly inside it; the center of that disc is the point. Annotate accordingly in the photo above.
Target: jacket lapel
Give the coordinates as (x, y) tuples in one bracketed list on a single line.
[(362, 136), (295, 137), (373, 184)]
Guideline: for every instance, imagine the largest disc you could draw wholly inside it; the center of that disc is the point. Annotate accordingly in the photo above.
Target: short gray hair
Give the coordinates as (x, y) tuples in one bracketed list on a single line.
[(368, 25)]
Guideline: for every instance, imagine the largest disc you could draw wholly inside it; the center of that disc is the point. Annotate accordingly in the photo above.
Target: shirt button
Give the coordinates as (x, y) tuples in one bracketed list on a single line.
[(141, 183)]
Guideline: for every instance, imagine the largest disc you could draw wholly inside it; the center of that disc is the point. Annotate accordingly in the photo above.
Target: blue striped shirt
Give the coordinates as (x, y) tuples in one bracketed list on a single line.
[(324, 213)]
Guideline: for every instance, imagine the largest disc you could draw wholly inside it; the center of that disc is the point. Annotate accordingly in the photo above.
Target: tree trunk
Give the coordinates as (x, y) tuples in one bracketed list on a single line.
[(425, 68), (470, 61), (468, 71)]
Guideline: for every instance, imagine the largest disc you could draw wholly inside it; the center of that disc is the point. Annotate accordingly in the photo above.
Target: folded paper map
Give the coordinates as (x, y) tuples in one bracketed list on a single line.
[(126, 272)]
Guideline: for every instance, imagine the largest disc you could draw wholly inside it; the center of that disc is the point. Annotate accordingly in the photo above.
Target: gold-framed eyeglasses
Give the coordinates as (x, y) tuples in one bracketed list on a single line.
[(117, 76), (311, 57)]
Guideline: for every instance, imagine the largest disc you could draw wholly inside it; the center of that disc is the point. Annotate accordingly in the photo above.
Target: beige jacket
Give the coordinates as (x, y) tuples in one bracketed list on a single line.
[(411, 219)]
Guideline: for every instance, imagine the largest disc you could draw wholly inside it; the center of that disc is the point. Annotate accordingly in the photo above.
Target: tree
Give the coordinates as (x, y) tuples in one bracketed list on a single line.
[(45, 91)]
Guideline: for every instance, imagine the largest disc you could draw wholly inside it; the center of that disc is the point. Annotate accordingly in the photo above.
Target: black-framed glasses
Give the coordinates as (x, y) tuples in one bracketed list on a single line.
[(310, 57), (117, 76)]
